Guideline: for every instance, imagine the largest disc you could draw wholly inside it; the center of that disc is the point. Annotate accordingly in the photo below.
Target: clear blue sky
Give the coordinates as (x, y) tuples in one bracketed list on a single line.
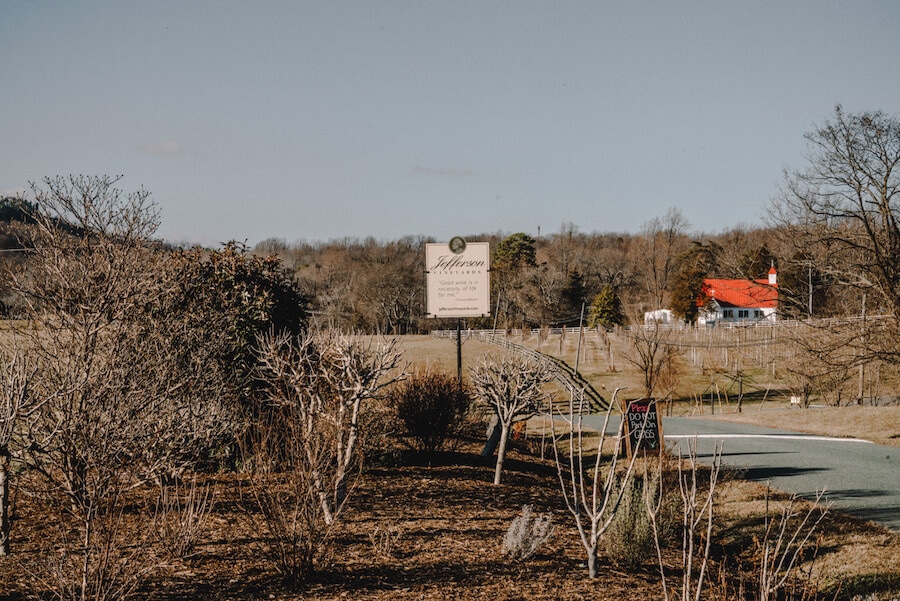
[(320, 120)]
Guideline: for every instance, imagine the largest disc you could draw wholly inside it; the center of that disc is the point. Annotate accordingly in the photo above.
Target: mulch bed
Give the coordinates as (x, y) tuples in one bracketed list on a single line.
[(411, 532)]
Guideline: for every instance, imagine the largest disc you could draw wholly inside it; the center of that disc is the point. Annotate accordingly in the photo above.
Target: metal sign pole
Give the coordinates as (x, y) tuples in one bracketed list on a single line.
[(459, 352)]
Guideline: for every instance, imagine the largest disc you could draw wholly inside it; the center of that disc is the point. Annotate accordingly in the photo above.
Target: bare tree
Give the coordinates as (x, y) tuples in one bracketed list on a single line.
[(650, 350), (392, 287), (512, 264), (842, 213), (112, 404), (594, 489), (818, 361), (318, 383), (564, 249), (662, 240), (513, 386)]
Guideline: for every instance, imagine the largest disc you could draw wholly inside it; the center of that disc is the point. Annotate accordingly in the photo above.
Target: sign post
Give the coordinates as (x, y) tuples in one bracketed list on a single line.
[(457, 282), (643, 426)]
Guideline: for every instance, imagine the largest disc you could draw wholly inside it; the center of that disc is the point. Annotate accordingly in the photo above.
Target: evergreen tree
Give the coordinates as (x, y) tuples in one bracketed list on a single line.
[(574, 293), (695, 266), (514, 252), (606, 310), (755, 264)]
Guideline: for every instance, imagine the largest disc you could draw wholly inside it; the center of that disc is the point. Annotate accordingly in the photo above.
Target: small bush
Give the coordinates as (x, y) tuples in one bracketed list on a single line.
[(629, 541), (180, 517), (527, 534), (379, 431), (431, 406)]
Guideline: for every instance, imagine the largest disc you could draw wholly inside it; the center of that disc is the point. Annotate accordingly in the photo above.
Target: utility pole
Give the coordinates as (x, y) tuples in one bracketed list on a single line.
[(862, 364)]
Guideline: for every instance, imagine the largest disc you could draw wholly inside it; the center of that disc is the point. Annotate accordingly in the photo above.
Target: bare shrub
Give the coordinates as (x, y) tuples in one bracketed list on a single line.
[(317, 384), (527, 533), (16, 403), (379, 432), (92, 275), (697, 511), (432, 406), (305, 448), (128, 391), (180, 516), (699, 515), (290, 516), (593, 490), (289, 500), (86, 558), (784, 543)]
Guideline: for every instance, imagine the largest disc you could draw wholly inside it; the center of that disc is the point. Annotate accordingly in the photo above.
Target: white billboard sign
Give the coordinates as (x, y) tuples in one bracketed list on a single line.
[(458, 279)]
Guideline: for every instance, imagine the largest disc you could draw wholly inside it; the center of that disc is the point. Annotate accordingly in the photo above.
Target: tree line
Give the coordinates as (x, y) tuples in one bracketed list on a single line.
[(379, 286), (831, 229)]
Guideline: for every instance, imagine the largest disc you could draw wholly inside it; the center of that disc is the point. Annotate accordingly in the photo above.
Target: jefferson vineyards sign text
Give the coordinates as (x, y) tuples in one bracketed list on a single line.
[(458, 279)]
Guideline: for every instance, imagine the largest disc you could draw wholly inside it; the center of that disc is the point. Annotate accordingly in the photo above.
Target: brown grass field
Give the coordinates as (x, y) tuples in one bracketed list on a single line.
[(878, 424), (433, 530)]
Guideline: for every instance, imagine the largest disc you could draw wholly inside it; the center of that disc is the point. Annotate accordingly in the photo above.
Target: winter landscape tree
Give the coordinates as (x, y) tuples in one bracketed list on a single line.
[(843, 211), (513, 387)]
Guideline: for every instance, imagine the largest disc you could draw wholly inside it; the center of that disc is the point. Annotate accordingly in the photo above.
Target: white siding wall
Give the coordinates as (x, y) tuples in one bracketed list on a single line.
[(734, 315)]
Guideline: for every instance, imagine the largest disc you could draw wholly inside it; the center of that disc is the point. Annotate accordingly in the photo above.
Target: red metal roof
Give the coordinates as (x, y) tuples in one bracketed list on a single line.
[(752, 294)]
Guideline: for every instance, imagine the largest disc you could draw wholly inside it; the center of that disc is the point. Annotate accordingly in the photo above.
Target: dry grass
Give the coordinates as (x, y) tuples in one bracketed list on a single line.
[(440, 353), (877, 424), (606, 370), (851, 557)]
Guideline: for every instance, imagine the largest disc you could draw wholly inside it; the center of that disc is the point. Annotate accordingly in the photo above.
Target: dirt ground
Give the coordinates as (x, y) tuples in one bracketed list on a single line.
[(413, 532), (420, 532)]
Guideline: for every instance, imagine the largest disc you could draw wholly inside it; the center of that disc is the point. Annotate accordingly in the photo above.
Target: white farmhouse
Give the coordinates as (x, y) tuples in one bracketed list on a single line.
[(731, 301)]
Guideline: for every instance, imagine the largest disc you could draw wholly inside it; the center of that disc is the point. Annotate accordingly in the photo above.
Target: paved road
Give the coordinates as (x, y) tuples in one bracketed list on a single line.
[(861, 478)]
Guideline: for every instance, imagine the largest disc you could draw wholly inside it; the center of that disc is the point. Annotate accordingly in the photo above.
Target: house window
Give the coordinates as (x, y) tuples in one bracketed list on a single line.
[(728, 313), (757, 313), (743, 313)]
